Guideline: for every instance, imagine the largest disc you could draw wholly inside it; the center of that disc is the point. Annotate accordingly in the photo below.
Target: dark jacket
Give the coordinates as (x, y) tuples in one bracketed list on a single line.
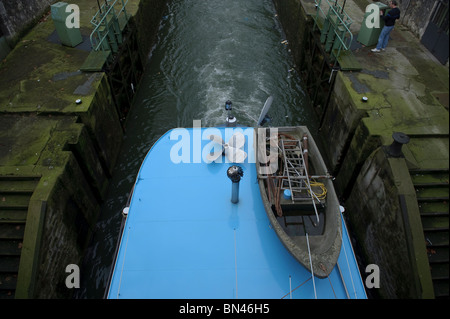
[(390, 17)]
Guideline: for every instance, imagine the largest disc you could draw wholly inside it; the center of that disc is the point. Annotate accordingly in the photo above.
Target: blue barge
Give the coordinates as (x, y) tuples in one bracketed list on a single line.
[(183, 237)]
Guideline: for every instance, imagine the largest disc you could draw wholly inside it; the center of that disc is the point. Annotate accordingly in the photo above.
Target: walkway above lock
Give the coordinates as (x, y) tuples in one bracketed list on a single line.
[(406, 89)]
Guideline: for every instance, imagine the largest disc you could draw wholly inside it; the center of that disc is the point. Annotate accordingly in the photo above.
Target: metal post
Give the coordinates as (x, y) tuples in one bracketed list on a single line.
[(99, 7), (235, 173), (343, 6)]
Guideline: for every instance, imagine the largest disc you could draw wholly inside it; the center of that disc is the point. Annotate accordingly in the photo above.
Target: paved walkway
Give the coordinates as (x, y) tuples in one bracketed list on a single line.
[(407, 90)]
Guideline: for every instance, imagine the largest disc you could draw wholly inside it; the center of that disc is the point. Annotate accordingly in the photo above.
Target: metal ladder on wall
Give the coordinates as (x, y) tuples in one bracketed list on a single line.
[(108, 24), (334, 26)]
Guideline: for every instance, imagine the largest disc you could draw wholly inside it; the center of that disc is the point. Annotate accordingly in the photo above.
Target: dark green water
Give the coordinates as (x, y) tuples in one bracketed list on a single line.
[(208, 51)]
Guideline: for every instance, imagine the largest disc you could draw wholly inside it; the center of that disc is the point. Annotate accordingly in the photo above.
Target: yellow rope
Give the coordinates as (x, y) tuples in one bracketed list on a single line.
[(322, 195)]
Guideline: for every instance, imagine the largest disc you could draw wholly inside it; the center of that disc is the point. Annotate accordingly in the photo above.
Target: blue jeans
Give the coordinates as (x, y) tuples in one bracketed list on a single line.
[(384, 37)]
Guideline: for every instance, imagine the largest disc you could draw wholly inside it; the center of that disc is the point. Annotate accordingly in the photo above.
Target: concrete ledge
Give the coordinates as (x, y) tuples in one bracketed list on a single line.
[(415, 240)]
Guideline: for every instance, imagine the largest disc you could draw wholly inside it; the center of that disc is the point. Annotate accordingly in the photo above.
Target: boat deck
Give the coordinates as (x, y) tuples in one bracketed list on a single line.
[(192, 242)]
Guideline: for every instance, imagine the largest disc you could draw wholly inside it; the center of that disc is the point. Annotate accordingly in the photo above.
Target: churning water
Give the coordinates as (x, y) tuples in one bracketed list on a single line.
[(208, 52)]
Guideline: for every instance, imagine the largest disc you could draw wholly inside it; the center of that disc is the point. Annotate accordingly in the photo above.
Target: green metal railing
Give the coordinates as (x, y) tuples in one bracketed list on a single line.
[(335, 31), (107, 33)]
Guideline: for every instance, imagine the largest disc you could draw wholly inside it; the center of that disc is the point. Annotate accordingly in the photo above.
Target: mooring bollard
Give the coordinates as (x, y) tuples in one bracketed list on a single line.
[(395, 149)]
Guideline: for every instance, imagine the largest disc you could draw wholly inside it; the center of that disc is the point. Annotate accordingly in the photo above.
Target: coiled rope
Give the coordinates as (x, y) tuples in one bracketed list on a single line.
[(323, 194)]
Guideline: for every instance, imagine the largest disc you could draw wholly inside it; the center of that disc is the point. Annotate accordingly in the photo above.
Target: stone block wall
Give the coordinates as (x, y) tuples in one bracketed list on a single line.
[(70, 219), (16, 16), (75, 166), (416, 14), (383, 213), (147, 20)]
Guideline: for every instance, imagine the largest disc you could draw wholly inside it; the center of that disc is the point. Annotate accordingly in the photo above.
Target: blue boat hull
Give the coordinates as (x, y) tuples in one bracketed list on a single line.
[(184, 238)]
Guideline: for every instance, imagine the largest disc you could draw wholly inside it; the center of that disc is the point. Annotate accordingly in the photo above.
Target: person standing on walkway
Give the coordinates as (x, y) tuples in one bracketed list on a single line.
[(389, 23)]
